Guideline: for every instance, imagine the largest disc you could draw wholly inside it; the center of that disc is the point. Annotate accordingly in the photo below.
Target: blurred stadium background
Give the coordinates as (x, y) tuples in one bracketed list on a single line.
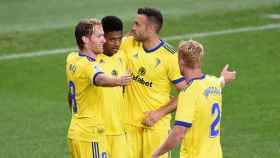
[(34, 116)]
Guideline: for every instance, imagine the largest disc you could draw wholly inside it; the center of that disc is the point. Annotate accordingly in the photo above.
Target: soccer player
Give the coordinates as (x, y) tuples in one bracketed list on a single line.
[(153, 65), (199, 109), (112, 64), (86, 132)]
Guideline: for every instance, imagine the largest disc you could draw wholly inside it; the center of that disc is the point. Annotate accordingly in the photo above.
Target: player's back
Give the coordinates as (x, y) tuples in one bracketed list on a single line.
[(203, 137), (84, 96)]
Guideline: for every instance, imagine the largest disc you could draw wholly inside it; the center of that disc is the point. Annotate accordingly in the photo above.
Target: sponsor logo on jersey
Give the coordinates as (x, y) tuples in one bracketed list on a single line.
[(139, 77), (141, 80)]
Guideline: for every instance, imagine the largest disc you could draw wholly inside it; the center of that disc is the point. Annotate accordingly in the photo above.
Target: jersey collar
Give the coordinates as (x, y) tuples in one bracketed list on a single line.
[(195, 78), (88, 57), (155, 48)]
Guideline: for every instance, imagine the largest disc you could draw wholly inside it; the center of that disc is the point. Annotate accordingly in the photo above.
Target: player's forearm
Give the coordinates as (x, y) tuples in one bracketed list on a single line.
[(106, 81), (153, 117), (170, 107), (173, 139)]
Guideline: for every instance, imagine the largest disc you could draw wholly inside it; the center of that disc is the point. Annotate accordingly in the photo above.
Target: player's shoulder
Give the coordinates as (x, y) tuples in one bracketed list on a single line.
[(119, 54), (80, 60), (195, 83), (71, 56), (130, 41), (190, 86), (168, 48), (214, 80)]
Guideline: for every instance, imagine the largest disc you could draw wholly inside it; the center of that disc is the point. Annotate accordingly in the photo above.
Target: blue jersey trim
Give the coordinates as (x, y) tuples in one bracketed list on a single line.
[(155, 48), (184, 124), (88, 57), (95, 75), (178, 80), (196, 78)]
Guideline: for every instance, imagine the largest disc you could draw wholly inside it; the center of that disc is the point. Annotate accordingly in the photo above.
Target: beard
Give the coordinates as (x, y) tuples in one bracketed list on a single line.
[(139, 37)]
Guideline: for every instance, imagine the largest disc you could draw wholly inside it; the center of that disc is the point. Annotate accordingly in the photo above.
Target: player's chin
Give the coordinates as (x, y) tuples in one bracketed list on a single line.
[(137, 38), (100, 50), (115, 50)]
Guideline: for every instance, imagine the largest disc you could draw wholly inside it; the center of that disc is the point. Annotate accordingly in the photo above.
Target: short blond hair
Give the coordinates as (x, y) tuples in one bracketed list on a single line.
[(191, 52), (85, 27)]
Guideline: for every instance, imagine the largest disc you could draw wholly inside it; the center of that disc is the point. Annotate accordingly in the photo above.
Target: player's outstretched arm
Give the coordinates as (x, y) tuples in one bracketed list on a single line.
[(175, 137), (107, 81), (227, 76)]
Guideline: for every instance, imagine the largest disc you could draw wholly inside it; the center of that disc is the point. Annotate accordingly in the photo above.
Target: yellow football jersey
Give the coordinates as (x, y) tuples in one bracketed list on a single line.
[(199, 109), (86, 122), (153, 73), (113, 101)]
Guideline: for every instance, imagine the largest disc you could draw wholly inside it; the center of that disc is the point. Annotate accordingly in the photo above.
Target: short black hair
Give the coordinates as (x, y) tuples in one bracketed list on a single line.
[(153, 15), (111, 23)]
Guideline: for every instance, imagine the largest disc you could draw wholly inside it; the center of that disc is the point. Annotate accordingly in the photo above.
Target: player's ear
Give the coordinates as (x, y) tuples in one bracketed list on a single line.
[(150, 27), (85, 39)]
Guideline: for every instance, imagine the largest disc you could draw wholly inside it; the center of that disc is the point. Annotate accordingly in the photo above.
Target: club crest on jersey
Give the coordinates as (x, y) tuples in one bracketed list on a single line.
[(114, 73), (101, 61), (141, 71)]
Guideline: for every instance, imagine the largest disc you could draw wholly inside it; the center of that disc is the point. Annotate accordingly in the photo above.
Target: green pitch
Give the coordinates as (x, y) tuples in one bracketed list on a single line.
[(34, 116)]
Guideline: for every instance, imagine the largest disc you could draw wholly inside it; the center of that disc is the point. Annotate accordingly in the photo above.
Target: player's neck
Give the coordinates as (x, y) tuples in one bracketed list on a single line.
[(151, 42), (107, 52), (192, 73)]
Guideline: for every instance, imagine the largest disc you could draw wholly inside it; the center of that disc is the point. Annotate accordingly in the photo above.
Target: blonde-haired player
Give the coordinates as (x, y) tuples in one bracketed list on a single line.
[(86, 130), (198, 115)]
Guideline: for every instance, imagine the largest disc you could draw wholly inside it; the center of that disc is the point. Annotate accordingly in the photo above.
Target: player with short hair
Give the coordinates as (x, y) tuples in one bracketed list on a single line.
[(151, 62), (112, 64), (86, 131), (198, 114), (153, 65)]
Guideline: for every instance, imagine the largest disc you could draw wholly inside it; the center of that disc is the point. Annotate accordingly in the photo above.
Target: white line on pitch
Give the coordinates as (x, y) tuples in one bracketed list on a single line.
[(273, 16), (170, 38)]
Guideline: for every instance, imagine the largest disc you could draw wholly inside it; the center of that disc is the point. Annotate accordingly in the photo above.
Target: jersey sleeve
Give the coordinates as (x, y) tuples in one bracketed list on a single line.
[(186, 107), (173, 71), (92, 71)]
